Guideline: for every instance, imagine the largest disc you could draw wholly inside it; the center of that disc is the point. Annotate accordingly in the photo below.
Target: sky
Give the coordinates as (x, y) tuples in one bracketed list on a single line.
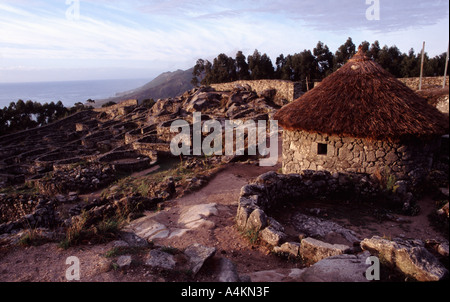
[(61, 40)]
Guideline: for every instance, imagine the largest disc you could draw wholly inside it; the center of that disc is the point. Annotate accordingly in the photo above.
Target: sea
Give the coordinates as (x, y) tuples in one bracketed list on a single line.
[(68, 93)]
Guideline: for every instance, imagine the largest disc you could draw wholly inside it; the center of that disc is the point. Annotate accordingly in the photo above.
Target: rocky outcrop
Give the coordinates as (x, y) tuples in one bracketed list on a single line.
[(409, 257)]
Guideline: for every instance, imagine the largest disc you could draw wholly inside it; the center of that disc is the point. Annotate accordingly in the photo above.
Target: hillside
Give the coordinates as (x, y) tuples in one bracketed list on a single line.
[(166, 85), (104, 185)]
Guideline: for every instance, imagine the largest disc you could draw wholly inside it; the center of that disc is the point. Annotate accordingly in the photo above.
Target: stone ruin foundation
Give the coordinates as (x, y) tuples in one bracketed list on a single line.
[(321, 242)]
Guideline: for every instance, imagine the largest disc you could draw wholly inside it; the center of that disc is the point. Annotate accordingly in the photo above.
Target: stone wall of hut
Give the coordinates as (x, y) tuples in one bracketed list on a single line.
[(311, 151)]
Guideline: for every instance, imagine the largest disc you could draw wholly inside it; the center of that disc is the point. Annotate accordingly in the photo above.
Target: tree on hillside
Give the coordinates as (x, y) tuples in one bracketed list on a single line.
[(223, 70), (26, 115), (242, 71), (198, 72), (304, 66), (365, 46), (324, 60), (283, 70), (390, 59), (410, 65), (312, 65), (374, 50), (202, 71), (260, 66), (437, 65), (344, 53)]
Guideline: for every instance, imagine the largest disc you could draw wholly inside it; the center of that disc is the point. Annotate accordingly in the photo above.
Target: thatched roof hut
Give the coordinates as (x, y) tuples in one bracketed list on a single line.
[(361, 119), (363, 100)]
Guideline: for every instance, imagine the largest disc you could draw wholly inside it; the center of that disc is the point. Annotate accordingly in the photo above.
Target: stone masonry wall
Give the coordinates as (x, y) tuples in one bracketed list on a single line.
[(413, 83), (285, 89), (405, 161)]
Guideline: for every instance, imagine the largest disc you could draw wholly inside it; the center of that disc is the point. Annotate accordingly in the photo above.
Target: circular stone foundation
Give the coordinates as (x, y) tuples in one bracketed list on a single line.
[(270, 192)]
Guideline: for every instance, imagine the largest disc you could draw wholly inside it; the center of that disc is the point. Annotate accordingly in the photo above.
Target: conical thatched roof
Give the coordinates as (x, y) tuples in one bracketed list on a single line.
[(363, 100)]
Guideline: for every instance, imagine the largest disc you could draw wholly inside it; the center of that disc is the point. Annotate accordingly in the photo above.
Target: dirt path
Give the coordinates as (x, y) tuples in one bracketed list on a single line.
[(47, 262)]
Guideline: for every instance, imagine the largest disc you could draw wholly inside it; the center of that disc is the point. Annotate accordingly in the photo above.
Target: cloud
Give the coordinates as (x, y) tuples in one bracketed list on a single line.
[(178, 32), (324, 15), (55, 37)]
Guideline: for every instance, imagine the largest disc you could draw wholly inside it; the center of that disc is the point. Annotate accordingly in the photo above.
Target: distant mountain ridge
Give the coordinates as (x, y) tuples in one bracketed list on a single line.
[(166, 85)]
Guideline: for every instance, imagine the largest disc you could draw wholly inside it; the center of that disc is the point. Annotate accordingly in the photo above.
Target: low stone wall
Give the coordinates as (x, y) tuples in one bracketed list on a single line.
[(83, 178), (405, 161), (151, 143), (272, 190), (285, 89), (42, 215), (427, 82)]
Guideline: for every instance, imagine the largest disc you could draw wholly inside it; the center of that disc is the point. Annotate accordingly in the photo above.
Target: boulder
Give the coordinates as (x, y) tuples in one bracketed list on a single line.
[(313, 250), (197, 255), (160, 260), (165, 106), (257, 220), (409, 257), (340, 268), (227, 271), (242, 216), (203, 101), (289, 248), (272, 236), (124, 262), (444, 211)]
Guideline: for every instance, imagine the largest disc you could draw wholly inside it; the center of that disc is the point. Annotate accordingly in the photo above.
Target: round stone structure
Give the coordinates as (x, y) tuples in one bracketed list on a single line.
[(361, 119)]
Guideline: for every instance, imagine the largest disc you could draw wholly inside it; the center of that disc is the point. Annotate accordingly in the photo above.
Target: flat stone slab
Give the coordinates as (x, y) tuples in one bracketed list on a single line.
[(150, 229), (313, 250), (341, 268), (194, 216), (178, 233), (279, 275), (323, 229)]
